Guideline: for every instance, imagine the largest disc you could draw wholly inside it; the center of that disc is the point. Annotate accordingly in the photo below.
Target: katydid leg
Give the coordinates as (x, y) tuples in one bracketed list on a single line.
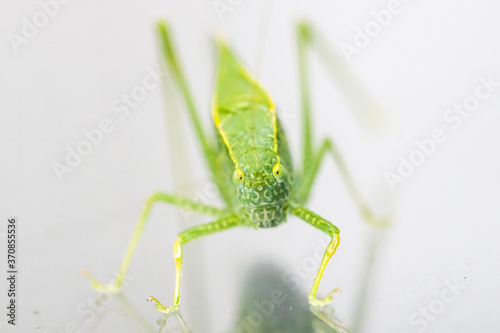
[(360, 101), (209, 148), (307, 37), (185, 237), (328, 146), (303, 35), (187, 204), (331, 230)]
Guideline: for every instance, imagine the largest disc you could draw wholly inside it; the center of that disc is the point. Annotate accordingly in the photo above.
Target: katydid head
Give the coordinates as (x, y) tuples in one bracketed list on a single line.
[(263, 187)]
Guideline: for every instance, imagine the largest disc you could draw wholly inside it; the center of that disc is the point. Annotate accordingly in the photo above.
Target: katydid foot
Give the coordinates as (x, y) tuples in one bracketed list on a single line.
[(161, 308), (314, 301)]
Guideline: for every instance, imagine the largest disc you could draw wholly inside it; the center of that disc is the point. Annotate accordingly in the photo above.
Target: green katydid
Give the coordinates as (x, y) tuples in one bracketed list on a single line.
[(250, 163)]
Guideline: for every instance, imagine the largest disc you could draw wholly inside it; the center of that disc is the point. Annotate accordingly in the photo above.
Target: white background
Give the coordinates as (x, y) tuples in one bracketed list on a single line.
[(65, 79)]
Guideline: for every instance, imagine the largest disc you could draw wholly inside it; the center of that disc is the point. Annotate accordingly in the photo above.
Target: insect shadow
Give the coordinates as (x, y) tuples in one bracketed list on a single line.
[(268, 304)]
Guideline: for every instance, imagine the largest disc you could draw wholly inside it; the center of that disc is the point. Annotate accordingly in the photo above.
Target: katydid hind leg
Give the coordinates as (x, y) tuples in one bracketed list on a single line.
[(308, 38), (328, 146), (303, 35), (208, 146), (364, 106)]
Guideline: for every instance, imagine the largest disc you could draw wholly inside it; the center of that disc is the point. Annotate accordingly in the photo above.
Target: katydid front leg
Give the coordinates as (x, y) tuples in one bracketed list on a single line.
[(187, 236), (331, 230)]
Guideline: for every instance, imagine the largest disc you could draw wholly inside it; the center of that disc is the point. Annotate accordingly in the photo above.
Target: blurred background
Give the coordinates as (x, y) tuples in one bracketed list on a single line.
[(67, 68)]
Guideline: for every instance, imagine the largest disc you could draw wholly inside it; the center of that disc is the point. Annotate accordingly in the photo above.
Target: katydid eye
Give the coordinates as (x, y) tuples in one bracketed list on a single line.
[(279, 172), (238, 177)]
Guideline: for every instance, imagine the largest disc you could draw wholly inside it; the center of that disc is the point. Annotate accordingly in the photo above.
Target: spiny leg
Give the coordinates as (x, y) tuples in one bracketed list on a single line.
[(116, 285), (187, 236), (331, 230), (209, 149)]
